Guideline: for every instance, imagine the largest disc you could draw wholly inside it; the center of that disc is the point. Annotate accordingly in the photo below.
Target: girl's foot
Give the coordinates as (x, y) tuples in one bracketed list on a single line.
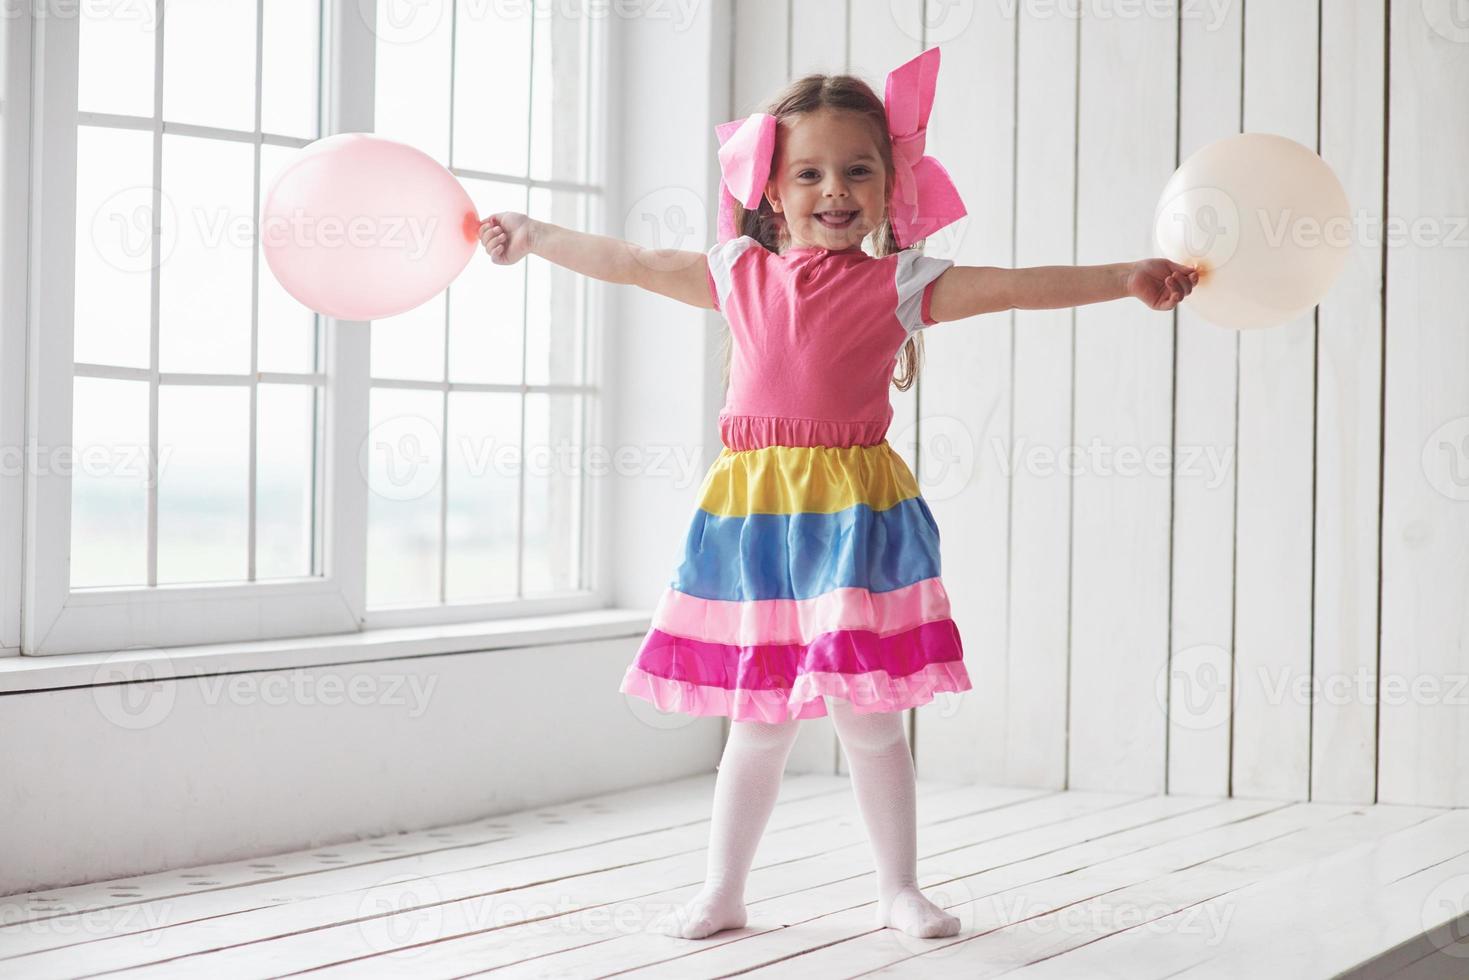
[(908, 910), (706, 913)]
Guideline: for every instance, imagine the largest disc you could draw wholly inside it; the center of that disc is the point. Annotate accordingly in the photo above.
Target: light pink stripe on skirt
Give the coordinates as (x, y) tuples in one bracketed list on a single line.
[(777, 621), (875, 691)]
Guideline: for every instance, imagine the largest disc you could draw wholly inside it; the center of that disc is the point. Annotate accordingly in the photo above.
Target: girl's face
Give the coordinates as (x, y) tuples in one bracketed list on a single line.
[(828, 179)]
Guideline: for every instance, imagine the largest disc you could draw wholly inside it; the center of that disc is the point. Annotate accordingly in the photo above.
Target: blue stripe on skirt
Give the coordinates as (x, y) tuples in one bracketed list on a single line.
[(800, 556)]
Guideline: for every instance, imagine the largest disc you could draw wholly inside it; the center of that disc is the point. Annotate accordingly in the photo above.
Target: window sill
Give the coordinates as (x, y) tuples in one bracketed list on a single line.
[(20, 674)]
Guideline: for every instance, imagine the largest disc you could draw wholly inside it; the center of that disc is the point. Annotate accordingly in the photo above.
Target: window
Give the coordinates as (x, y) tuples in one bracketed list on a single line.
[(476, 395), (240, 467), (187, 354)]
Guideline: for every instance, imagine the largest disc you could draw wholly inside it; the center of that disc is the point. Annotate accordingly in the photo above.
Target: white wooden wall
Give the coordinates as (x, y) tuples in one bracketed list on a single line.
[(1223, 626)]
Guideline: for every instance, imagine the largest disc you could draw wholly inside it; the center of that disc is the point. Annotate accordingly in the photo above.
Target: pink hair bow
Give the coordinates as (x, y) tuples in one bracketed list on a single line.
[(746, 152), (924, 197)]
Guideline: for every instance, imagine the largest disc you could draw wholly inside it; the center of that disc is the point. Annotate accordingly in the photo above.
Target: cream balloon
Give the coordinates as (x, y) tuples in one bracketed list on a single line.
[(1266, 222)]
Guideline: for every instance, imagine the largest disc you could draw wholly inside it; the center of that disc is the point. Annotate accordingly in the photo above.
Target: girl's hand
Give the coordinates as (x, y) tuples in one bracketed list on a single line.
[(1160, 283), (506, 237)]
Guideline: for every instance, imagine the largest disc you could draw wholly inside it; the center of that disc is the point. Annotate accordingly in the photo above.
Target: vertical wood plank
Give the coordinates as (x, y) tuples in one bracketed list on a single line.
[(1425, 561), (1123, 405), (819, 37), (760, 64), (1034, 738), (1274, 534), (964, 391), (1348, 419), (1197, 695)]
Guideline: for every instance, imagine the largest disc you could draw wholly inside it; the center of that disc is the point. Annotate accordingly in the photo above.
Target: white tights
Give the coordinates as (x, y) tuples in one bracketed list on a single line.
[(744, 796)]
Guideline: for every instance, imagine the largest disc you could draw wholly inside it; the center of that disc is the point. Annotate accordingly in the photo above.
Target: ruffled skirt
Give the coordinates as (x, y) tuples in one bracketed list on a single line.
[(807, 571)]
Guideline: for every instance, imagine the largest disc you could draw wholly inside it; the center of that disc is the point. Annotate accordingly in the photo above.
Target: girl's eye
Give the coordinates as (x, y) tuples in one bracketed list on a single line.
[(811, 173)]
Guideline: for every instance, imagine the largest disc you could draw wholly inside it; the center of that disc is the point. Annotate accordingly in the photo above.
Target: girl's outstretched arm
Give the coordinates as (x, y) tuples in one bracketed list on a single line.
[(966, 290), (509, 236)]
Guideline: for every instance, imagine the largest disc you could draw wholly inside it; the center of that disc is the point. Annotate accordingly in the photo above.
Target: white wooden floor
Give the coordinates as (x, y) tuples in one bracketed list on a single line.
[(1047, 884)]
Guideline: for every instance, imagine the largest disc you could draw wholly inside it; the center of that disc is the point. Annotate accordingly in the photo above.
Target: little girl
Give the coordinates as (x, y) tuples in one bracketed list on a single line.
[(811, 567)]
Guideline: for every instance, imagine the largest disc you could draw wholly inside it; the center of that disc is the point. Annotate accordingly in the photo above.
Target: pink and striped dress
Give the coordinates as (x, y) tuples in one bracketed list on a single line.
[(811, 566)]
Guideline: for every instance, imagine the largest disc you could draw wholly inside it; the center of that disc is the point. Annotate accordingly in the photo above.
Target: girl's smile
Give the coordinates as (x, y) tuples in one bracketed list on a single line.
[(836, 219)]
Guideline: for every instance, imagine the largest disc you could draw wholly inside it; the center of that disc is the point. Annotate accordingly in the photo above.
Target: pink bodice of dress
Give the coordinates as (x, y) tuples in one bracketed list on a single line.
[(816, 335)]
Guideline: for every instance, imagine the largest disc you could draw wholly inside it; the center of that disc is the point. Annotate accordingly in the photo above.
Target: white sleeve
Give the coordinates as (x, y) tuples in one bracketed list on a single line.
[(914, 272), (722, 257)]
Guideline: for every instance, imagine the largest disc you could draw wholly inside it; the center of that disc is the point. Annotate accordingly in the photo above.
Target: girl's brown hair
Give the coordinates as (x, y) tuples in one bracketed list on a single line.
[(808, 94)]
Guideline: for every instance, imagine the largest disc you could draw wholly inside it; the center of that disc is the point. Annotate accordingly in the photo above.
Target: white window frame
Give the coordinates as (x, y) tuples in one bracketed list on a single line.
[(58, 619), (14, 144)]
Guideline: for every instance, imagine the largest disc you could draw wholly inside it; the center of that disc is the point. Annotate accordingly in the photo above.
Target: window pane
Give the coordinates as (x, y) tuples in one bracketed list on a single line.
[(414, 41), (484, 442), (203, 478), (115, 52), (410, 345), (290, 71), (109, 496), (487, 301), (209, 63), (558, 112), (553, 462), (287, 329), (492, 86), (403, 456), (204, 288), (285, 438), (114, 245), (556, 298)]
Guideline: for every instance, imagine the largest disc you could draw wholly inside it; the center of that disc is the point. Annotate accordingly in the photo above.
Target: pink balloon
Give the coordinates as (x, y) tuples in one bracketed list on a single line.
[(359, 227)]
